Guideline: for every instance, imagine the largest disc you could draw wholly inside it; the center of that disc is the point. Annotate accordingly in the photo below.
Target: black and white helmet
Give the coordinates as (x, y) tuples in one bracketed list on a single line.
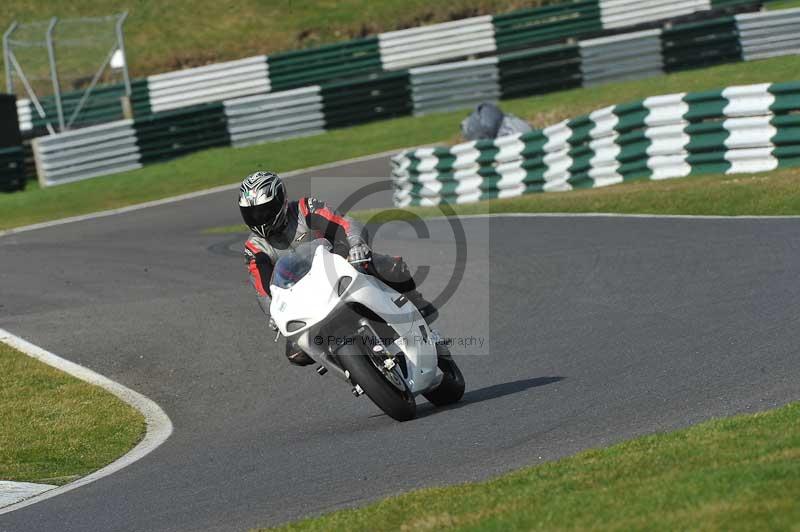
[(263, 203)]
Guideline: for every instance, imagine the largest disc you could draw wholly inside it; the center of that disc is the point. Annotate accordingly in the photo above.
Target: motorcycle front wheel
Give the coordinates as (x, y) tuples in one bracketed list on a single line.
[(366, 370), (451, 390)]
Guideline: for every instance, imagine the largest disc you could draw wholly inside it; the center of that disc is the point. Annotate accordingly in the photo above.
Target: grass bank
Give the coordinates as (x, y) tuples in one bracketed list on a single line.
[(56, 428), (741, 473), (228, 165)]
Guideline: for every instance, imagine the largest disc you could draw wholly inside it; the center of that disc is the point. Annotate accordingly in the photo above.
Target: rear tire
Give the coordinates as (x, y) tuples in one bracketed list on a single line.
[(451, 390), (397, 405)]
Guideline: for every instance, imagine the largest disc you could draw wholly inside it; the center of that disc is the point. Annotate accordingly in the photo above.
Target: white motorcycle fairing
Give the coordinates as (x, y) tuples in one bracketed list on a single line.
[(303, 309)]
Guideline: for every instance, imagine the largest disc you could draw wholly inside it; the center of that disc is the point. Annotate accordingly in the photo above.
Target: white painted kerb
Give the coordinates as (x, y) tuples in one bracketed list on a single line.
[(159, 426), (14, 492)]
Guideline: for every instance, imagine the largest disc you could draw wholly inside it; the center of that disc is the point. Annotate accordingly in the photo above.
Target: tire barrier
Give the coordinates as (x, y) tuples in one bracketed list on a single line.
[(743, 129), (12, 154), (12, 168)]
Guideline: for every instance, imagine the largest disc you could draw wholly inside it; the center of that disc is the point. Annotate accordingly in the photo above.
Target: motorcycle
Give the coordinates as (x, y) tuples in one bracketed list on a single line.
[(363, 331)]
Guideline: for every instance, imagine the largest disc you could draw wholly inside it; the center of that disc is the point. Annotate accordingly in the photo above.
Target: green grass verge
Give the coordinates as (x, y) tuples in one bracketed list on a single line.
[(783, 4), (741, 473), (160, 38), (768, 194), (56, 428), (228, 165)]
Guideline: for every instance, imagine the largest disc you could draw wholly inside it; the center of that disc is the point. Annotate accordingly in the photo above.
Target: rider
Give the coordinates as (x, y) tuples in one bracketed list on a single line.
[(278, 226)]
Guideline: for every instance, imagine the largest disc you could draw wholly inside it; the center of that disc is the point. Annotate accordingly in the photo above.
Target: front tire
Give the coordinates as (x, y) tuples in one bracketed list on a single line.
[(451, 389), (397, 404)]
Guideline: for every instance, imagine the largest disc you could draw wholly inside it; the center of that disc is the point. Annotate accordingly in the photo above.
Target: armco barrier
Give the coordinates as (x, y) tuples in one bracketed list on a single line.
[(622, 13), (626, 56), (701, 44), (301, 68), (88, 152), (554, 23), (750, 128), (437, 43), (170, 134), (363, 100), (539, 71), (275, 116), (208, 83), (454, 85), (770, 34), (12, 168)]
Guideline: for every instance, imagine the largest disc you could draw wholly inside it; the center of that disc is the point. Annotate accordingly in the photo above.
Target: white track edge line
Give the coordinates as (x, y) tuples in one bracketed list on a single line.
[(159, 426), (182, 197), (617, 215)]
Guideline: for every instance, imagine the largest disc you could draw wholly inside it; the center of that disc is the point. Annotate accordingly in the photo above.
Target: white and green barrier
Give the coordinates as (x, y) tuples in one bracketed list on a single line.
[(751, 128)]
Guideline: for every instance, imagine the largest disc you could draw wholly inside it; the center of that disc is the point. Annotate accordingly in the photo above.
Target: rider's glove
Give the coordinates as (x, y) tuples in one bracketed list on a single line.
[(359, 252), (272, 324)]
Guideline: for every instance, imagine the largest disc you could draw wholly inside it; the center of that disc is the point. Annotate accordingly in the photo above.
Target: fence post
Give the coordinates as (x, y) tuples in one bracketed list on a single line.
[(51, 52), (121, 42), (127, 108), (37, 159), (7, 58)]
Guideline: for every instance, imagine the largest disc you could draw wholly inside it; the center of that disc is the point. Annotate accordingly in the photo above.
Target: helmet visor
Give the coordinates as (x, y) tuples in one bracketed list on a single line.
[(262, 214)]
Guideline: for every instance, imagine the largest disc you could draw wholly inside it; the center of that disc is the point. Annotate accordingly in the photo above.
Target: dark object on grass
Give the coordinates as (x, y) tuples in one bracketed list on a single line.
[(487, 121)]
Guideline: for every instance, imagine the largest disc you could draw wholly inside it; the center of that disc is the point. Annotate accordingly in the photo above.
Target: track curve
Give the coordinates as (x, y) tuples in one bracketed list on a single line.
[(601, 329)]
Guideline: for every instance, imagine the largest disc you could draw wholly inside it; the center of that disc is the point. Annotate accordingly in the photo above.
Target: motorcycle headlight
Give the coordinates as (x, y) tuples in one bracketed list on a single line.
[(342, 285), (294, 325)]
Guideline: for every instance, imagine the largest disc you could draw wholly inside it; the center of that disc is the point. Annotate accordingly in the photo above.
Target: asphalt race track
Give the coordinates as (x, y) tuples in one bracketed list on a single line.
[(602, 328)]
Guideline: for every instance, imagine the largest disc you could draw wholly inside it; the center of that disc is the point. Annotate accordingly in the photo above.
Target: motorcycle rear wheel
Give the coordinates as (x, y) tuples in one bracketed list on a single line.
[(357, 359)]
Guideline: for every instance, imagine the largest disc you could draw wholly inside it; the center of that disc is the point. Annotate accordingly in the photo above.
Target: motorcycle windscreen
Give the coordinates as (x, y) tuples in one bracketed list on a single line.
[(291, 268)]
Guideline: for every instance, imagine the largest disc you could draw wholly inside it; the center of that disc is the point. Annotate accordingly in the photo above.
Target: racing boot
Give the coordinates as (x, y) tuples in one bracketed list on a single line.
[(425, 307), (297, 356)]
